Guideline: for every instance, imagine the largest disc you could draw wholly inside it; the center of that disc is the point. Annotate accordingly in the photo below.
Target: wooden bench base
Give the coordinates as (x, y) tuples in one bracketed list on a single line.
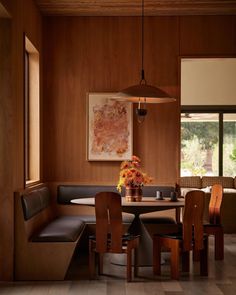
[(40, 260)]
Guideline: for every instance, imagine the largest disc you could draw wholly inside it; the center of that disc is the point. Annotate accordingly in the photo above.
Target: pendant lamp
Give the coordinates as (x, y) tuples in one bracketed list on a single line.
[(143, 93)]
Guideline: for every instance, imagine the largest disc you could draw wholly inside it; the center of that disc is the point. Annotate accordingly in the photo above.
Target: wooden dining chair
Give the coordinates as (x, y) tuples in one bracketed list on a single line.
[(189, 238), (214, 227), (109, 236)]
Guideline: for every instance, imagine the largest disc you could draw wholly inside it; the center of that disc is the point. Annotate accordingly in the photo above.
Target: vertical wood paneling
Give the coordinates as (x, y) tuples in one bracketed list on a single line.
[(6, 149), (81, 60), (207, 35), (104, 54), (25, 18), (160, 145)]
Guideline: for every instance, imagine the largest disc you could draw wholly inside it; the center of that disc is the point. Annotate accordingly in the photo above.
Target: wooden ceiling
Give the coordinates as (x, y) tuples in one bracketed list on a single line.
[(132, 8)]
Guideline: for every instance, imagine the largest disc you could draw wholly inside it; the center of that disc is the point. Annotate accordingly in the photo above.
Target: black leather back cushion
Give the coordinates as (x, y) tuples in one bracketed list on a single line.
[(35, 201), (150, 191), (65, 193)]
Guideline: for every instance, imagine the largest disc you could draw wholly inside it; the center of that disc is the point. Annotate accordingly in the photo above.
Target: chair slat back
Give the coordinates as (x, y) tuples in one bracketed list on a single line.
[(193, 220), (215, 204), (109, 227)]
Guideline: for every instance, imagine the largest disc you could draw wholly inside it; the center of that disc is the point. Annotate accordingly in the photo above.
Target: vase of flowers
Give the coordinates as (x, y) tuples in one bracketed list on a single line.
[(132, 178), (133, 194)]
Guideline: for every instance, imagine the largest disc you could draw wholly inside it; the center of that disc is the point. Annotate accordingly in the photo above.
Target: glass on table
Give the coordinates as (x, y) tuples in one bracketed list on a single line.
[(159, 195)]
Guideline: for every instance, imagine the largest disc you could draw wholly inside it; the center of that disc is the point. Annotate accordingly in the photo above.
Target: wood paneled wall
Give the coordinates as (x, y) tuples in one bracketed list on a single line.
[(25, 18), (90, 54), (96, 54), (208, 35), (6, 145)]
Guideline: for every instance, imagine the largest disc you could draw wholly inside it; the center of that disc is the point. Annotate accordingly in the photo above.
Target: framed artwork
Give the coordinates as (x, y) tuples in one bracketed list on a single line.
[(109, 128)]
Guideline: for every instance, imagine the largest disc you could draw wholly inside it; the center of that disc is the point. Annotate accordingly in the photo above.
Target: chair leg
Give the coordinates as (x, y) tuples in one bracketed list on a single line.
[(175, 260), (129, 264), (185, 261), (135, 262), (219, 244), (100, 263), (91, 260), (156, 256), (196, 255), (204, 258)]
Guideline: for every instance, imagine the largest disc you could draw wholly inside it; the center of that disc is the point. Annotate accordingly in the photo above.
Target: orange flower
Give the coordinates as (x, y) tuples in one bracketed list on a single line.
[(131, 175), (136, 159), (124, 165)]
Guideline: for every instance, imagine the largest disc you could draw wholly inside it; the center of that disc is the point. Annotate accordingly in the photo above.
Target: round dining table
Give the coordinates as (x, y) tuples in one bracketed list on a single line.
[(147, 205)]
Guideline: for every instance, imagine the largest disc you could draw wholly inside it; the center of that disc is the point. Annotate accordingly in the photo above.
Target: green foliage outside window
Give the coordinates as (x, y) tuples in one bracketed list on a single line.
[(200, 146), (233, 155)]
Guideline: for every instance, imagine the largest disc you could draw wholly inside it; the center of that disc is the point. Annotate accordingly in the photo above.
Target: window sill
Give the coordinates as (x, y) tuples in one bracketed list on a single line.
[(32, 182)]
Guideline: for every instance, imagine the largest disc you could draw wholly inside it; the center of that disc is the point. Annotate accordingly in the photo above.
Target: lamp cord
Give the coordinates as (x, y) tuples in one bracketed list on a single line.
[(142, 44)]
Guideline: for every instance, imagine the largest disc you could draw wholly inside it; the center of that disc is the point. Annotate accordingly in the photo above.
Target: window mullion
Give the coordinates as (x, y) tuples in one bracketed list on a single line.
[(221, 144)]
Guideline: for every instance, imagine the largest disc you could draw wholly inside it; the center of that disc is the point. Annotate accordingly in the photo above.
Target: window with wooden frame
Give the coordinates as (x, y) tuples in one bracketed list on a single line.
[(32, 114), (208, 118), (208, 141)]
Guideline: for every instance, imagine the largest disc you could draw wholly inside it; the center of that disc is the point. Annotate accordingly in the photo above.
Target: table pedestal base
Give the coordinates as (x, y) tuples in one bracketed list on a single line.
[(145, 245)]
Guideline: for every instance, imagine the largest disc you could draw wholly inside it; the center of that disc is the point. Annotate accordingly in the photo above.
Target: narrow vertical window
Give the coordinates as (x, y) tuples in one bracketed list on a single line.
[(229, 144), (32, 114), (27, 178)]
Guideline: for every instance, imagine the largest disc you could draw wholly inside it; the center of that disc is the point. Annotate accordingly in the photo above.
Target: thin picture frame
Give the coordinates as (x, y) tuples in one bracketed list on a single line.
[(109, 128)]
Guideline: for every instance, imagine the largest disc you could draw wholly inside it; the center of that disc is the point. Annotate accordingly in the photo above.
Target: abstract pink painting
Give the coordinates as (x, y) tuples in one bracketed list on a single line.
[(109, 128)]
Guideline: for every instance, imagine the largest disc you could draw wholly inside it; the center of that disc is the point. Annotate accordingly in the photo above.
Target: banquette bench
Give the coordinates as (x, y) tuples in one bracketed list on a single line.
[(44, 242), (47, 232), (67, 192), (45, 236)]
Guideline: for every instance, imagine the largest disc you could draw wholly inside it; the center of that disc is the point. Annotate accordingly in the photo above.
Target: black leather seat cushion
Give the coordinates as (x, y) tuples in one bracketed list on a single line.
[(129, 237), (126, 237), (178, 236), (88, 219), (91, 219), (157, 220), (62, 229), (211, 224)]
